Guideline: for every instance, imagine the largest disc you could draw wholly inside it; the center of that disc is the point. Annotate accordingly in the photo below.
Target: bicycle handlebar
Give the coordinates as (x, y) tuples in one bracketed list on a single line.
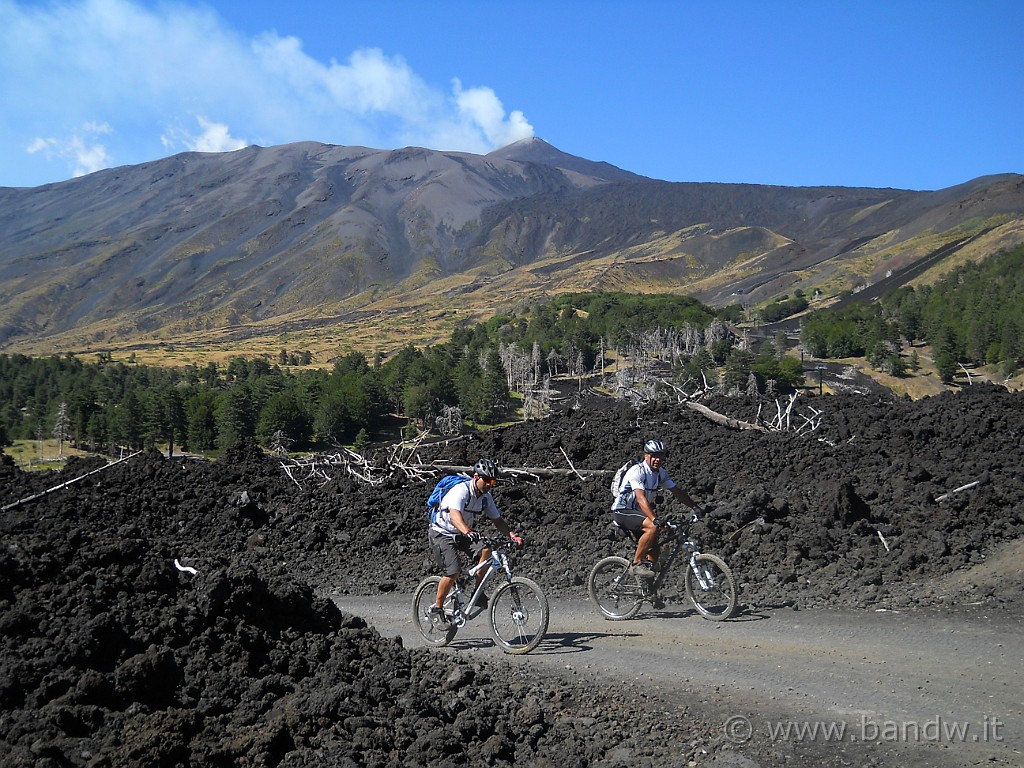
[(498, 543), (677, 530), (671, 522), (492, 542)]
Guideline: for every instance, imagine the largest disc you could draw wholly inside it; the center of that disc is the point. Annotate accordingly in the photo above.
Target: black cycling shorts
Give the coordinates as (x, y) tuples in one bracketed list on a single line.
[(445, 550)]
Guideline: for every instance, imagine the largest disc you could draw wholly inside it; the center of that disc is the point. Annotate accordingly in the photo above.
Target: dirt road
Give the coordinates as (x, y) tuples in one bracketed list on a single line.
[(861, 687)]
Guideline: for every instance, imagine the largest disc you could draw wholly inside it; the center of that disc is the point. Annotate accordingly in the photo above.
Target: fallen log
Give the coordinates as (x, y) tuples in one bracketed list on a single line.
[(725, 421), (537, 471)]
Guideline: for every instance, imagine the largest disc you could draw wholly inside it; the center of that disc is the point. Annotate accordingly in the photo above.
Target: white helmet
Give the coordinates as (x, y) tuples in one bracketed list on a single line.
[(655, 446)]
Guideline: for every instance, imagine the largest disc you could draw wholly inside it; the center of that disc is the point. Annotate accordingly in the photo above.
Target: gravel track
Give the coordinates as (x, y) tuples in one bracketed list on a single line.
[(908, 682)]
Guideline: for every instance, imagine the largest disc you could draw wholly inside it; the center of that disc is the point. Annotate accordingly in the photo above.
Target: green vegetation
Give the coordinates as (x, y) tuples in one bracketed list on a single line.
[(973, 316), (784, 307), (473, 378)]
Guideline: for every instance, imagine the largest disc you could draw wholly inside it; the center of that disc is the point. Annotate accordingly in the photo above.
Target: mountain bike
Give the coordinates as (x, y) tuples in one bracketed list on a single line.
[(708, 582), (518, 610)]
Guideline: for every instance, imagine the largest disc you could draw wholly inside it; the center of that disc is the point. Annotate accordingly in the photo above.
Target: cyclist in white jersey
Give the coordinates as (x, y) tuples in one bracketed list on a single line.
[(451, 530), (633, 509)]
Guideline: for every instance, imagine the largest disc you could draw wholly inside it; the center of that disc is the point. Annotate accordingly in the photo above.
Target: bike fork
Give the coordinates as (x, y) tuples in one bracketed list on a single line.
[(704, 577)]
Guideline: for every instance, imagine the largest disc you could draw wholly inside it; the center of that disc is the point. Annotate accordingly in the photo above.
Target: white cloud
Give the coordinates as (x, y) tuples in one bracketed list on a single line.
[(93, 127), (145, 70), (482, 108), (82, 153), (377, 91), (215, 137)]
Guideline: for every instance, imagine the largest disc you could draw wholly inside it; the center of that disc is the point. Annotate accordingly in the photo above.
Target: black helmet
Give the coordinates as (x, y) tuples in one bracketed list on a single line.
[(486, 468), (655, 446)]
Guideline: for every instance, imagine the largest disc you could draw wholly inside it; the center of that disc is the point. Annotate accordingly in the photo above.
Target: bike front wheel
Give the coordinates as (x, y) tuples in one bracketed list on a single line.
[(714, 593), (519, 616), (423, 599), (614, 590)]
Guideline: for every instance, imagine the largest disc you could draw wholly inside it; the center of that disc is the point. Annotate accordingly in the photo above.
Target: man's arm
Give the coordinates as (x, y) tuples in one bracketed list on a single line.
[(458, 521), (506, 529), (684, 497), (641, 501)]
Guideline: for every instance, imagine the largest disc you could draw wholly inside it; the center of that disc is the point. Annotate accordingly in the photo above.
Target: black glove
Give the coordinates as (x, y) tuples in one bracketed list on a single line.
[(474, 537), (696, 514), (658, 522)]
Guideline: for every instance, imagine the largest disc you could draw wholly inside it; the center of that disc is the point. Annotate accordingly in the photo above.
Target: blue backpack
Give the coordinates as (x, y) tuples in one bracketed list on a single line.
[(444, 485)]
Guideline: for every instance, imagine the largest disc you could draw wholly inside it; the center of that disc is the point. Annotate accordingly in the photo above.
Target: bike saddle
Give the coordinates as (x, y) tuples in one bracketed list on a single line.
[(622, 533)]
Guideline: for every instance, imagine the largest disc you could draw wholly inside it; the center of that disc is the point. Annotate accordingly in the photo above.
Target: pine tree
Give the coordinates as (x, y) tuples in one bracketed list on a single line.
[(495, 386)]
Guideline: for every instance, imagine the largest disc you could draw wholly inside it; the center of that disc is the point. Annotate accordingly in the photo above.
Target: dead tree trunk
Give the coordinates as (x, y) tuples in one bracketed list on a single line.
[(725, 421)]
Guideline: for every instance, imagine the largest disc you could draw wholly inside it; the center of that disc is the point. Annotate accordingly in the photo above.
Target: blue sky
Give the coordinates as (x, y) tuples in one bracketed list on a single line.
[(914, 95)]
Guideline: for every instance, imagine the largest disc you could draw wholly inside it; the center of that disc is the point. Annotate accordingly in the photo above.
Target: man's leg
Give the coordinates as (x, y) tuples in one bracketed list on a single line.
[(447, 558), (647, 542), (485, 556), (443, 587)]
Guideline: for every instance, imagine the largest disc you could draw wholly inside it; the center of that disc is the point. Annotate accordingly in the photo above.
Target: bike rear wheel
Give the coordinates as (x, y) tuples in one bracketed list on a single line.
[(614, 590), (423, 599), (715, 598), (519, 616)]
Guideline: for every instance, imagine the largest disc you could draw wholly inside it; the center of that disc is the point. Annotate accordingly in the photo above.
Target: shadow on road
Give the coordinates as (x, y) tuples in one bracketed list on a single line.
[(470, 643), (742, 614), (553, 642), (574, 642)]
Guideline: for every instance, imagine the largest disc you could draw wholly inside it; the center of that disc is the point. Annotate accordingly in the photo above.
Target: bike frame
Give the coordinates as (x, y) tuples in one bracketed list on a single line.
[(517, 613), (497, 563), (682, 544), (706, 579)]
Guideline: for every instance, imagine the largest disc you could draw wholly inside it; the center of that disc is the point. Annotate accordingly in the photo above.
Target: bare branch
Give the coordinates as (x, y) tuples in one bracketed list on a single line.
[(958, 490), (581, 477), (884, 542)]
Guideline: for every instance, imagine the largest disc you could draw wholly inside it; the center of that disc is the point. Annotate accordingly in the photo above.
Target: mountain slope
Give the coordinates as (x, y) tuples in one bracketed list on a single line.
[(540, 152), (386, 247)]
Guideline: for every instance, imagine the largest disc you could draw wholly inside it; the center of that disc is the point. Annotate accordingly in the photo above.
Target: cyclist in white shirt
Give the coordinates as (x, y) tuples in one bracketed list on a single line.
[(633, 509), (451, 530)]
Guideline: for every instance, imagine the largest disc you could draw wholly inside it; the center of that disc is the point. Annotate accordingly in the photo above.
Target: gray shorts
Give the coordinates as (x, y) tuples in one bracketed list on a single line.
[(445, 551), (631, 521)]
